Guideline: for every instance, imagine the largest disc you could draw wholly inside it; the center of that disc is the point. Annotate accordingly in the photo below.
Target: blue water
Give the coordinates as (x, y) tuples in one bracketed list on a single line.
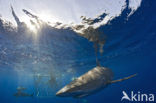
[(130, 48)]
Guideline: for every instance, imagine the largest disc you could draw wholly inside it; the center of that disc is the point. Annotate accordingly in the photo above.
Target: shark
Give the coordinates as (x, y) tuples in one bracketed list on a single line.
[(93, 81), (23, 94), (20, 92)]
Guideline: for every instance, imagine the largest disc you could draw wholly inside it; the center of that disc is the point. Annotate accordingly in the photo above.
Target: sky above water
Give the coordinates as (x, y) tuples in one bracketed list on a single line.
[(65, 11)]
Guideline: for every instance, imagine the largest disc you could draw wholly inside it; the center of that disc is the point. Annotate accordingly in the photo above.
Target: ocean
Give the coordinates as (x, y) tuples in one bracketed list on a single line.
[(52, 57)]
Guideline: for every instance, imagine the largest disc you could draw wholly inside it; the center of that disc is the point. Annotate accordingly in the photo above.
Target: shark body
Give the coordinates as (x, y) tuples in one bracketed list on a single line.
[(20, 92), (89, 83)]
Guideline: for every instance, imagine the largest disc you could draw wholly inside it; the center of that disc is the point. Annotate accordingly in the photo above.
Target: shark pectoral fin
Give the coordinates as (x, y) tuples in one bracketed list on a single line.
[(119, 80), (81, 95)]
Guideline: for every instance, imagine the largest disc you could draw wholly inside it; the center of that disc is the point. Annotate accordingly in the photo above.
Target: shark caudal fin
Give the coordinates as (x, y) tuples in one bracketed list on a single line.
[(119, 80)]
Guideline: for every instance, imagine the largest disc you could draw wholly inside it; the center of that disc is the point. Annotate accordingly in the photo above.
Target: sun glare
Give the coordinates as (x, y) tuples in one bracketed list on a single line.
[(31, 27), (46, 17), (42, 16), (34, 26)]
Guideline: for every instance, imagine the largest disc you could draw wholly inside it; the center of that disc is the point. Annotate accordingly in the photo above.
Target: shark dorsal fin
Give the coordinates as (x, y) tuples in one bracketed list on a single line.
[(119, 80)]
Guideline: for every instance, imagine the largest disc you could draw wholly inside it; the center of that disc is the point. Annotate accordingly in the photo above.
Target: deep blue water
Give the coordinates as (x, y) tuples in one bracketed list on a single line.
[(130, 48)]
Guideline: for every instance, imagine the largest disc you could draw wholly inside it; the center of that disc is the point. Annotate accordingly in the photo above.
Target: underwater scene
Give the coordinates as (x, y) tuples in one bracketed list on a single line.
[(77, 51)]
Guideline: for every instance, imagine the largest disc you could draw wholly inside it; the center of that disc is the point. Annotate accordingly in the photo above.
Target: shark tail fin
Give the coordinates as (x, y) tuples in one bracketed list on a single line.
[(119, 80)]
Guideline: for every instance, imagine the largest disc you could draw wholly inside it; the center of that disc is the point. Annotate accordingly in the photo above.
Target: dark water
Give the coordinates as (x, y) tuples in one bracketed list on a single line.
[(61, 54)]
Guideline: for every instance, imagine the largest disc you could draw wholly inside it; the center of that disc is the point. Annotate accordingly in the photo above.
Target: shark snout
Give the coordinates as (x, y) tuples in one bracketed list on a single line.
[(59, 93), (63, 92)]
